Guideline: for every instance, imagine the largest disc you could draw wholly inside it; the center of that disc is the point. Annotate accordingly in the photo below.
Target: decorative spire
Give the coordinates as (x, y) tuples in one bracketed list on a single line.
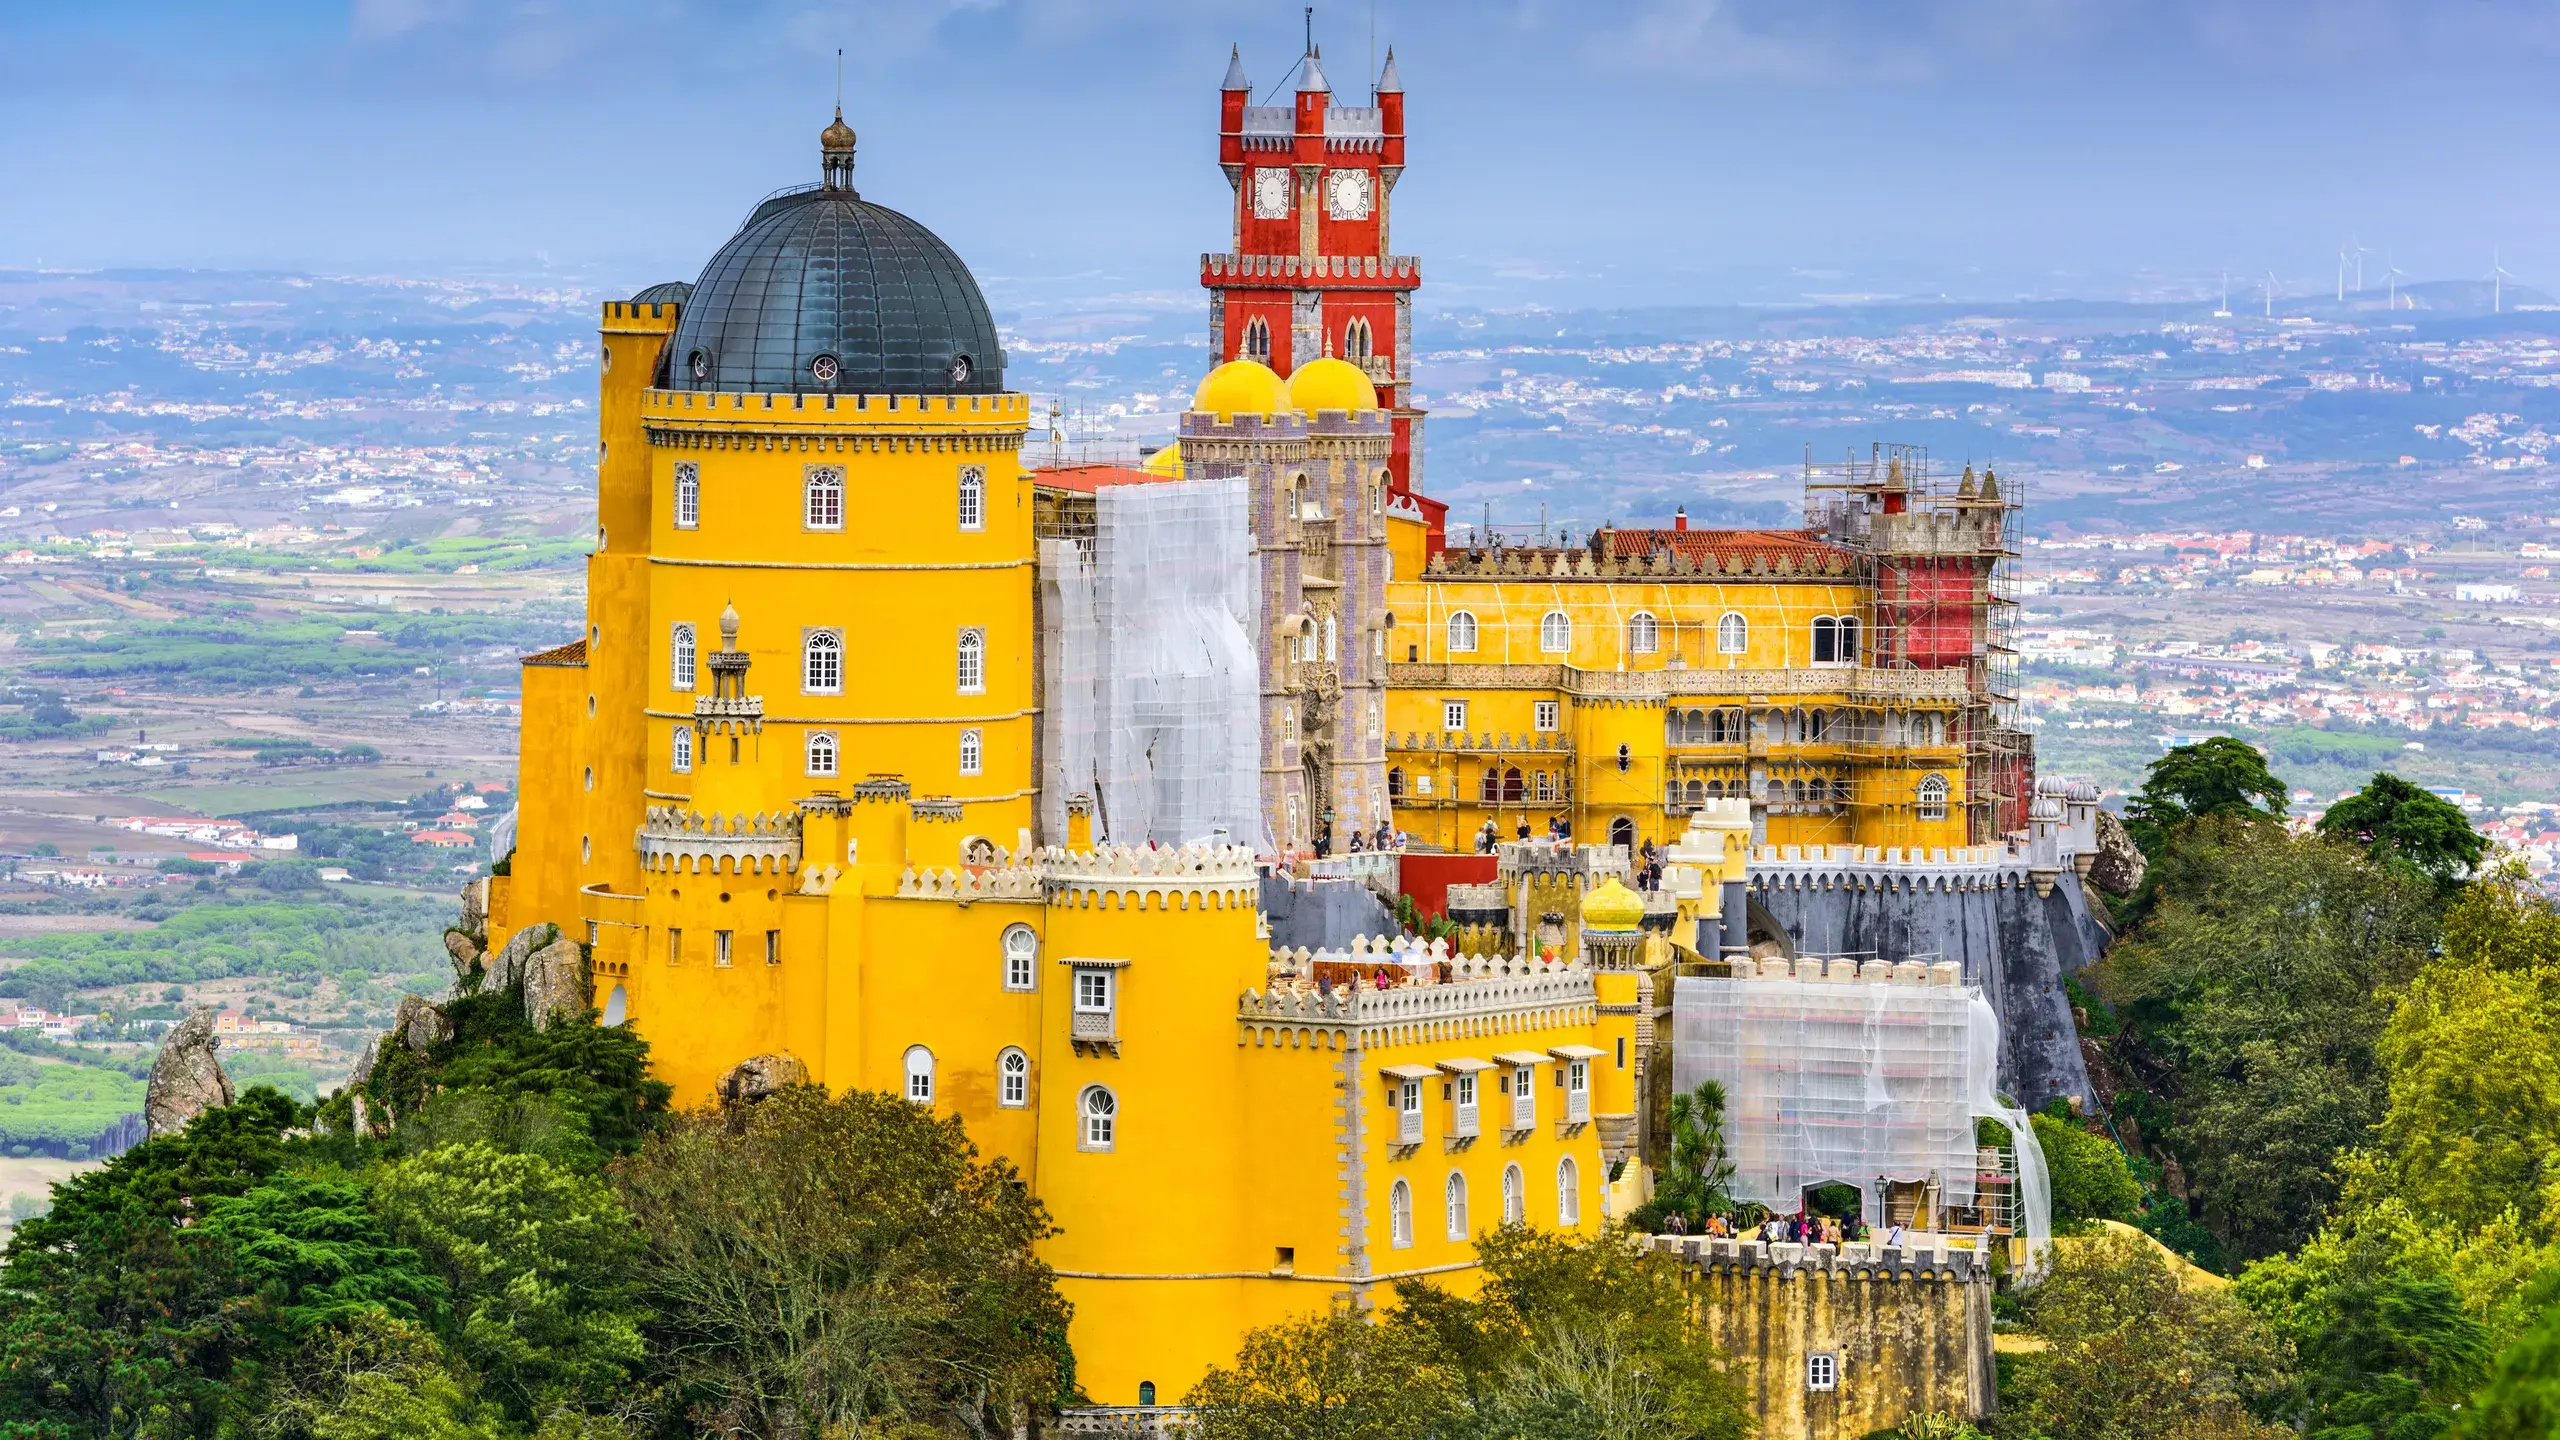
[(835, 153), (1389, 82), (729, 626), (1235, 71), (1312, 81)]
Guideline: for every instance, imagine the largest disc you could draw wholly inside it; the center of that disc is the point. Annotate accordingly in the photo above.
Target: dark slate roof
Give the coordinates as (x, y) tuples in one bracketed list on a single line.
[(822, 272), (665, 292)]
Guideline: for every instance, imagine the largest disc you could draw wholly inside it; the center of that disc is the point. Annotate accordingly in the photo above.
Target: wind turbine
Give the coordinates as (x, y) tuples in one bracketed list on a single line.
[(2225, 312), (2396, 273), (2359, 252), (2497, 285), (2271, 294)]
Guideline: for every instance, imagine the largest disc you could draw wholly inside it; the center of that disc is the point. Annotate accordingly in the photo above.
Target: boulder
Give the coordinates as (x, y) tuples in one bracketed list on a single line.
[(186, 1079), (2120, 865), (365, 1062), (419, 1024), (465, 952), (555, 984), (760, 1078), (475, 907), (506, 968)]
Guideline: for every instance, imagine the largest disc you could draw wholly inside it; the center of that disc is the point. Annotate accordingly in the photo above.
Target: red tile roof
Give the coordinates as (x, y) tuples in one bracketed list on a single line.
[(1698, 545), (573, 653)]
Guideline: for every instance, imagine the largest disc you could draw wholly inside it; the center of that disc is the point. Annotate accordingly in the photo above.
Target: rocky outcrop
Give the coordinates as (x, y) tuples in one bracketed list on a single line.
[(186, 1079), (2119, 867), (419, 1024), (465, 952), (475, 908), (760, 1078), (555, 983), (506, 969)]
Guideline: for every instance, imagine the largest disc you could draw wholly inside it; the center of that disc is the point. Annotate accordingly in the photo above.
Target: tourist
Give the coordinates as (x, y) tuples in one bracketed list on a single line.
[(1358, 843)]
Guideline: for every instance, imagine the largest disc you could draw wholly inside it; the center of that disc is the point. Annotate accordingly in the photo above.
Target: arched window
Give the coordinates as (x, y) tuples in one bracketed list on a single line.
[(1848, 639), (1555, 633), (1777, 792), (822, 663), (1932, 796), (1513, 791), (1395, 782), (680, 750), (1733, 633), (680, 657), (1013, 1079), (1568, 1192), (971, 748), (1357, 341), (1021, 949), (1826, 640), (617, 1008), (1100, 1112), (825, 498), (1400, 1216), (1515, 1196), (688, 495), (973, 662), (1795, 791), (822, 753), (1257, 341), (1332, 642), (1622, 831), (919, 1075), (1644, 633), (1489, 789), (1462, 633), (973, 497), (1817, 790), (1697, 792), (1454, 1197), (1715, 789), (1816, 725)]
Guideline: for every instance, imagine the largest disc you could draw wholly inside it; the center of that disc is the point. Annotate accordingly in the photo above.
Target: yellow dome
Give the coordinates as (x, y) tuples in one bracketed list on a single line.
[(1612, 906), (1166, 462), (1241, 387), (1330, 384)]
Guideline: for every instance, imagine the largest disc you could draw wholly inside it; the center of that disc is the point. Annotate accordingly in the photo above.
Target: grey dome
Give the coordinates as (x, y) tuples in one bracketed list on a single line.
[(665, 292), (821, 272)]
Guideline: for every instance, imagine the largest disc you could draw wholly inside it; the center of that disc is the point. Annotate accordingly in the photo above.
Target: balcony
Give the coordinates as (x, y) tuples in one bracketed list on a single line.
[(1408, 1127), (1095, 1027)]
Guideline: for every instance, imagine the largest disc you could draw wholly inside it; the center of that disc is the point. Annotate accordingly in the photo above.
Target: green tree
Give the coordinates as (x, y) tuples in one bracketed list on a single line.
[(2401, 823), (598, 1073), (371, 1377), (1334, 1376), (821, 1266), (2522, 1393), (314, 1255), (2254, 998), (2090, 1177), (539, 1263), (1698, 1181), (1578, 1337), (2219, 776), (2131, 1354)]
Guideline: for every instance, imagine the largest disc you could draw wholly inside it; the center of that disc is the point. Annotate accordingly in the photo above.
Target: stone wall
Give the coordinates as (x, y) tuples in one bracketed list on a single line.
[(1908, 1331)]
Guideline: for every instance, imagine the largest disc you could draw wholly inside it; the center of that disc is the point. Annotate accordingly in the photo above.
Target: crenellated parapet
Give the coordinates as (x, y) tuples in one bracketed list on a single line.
[(1444, 997), (1921, 1258), (1139, 877), (999, 882), (672, 840)]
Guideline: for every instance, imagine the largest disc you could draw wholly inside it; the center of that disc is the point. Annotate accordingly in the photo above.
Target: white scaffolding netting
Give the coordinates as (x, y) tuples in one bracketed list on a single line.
[(1846, 1081), (1152, 683)]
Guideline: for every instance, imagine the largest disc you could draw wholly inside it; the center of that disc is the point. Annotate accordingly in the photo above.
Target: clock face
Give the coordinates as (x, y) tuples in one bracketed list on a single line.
[(1271, 194), (1347, 194)]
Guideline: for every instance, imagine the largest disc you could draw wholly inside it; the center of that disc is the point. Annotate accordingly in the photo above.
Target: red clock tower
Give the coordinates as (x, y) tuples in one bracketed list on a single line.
[(1309, 272)]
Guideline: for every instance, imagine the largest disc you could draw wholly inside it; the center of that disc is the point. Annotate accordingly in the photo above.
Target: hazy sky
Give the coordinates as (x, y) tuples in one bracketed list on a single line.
[(1564, 153)]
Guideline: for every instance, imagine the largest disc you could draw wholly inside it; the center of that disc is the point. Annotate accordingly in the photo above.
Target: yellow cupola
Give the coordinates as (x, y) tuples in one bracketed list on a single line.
[(1331, 384), (1612, 906), (1241, 387)]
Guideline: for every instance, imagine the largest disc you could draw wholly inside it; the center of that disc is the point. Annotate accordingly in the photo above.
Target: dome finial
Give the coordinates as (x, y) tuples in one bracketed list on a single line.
[(729, 626), (835, 143)]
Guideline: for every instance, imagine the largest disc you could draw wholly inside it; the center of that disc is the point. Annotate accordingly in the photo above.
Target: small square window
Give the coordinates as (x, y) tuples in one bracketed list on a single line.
[(721, 941), (1822, 1371), (1453, 714), (675, 946), (1547, 712), (773, 947)]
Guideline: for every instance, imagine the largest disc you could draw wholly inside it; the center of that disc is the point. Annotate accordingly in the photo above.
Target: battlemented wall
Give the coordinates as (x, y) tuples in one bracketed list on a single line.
[(1907, 1331)]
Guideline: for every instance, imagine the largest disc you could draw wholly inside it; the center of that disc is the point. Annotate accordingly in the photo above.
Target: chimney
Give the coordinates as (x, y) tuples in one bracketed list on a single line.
[(1680, 518)]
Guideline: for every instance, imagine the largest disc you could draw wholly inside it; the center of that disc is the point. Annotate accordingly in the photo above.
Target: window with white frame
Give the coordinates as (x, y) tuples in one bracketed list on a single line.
[(1515, 1196), (724, 948), (1462, 633), (822, 752), (1835, 639), (1409, 1112), (1733, 633), (1101, 1114), (1400, 1216), (973, 662), (1463, 1121), (1013, 1079), (1093, 991), (680, 750), (1568, 1192), (1555, 633), (1932, 796), (824, 498), (973, 497), (1453, 1198), (1524, 1097), (1822, 1370), (1577, 1091), (1332, 642), (821, 663), (1547, 714), (1021, 950), (680, 657), (919, 1075), (1453, 714), (970, 750), (688, 495), (1644, 633)]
